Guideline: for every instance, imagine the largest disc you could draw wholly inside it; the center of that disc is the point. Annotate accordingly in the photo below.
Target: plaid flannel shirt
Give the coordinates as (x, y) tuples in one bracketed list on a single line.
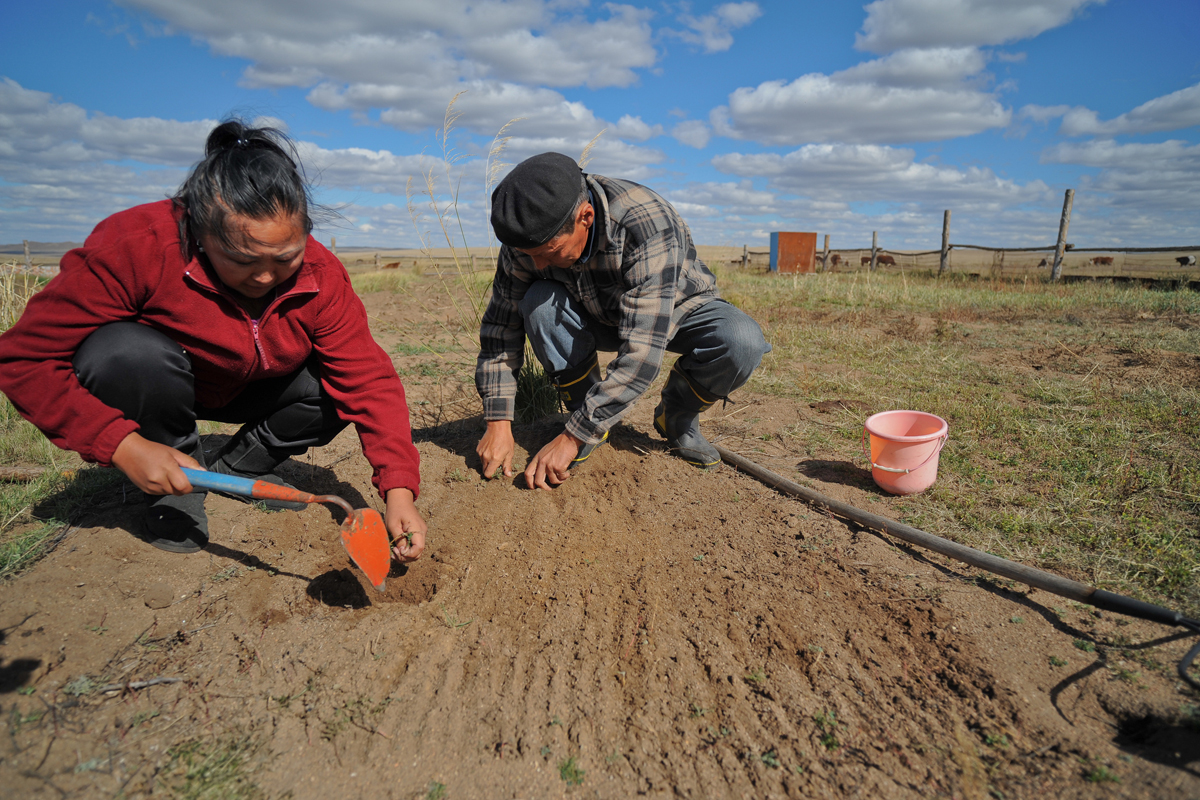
[(642, 278)]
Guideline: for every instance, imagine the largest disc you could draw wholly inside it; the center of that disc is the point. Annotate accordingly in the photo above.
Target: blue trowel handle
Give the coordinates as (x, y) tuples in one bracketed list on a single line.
[(215, 481)]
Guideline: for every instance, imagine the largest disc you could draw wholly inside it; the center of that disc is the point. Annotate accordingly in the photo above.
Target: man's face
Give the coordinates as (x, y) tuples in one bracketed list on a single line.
[(564, 251)]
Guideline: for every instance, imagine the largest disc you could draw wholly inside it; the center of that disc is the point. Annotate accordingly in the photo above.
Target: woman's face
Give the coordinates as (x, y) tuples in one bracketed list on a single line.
[(264, 253)]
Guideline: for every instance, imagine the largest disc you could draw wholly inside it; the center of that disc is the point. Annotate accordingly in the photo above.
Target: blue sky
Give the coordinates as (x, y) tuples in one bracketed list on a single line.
[(840, 118)]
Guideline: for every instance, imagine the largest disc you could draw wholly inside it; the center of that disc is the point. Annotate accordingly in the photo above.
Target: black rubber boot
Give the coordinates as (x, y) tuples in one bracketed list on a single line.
[(677, 418), (573, 384), (247, 457), (178, 523)]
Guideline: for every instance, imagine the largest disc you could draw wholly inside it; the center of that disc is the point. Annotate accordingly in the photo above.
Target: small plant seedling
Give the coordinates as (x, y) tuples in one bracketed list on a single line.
[(698, 558), (556, 721), (1102, 774), (1126, 675), (697, 711), (78, 687), (770, 758), (996, 740), (1084, 645), (1016, 620), (570, 772), (458, 476), (1055, 661), (757, 676), (545, 751), (229, 572), (437, 791), (452, 622), (26, 690), (827, 722), (614, 758)]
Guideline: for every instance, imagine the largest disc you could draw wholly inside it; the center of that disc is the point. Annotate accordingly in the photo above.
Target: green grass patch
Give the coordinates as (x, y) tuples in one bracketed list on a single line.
[(199, 770), (1069, 407)]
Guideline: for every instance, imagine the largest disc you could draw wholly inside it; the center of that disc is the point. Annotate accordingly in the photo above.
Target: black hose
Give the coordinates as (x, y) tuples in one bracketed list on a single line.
[(1037, 578)]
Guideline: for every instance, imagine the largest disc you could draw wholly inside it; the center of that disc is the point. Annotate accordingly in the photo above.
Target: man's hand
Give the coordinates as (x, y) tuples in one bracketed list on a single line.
[(153, 467), (550, 466), (496, 448), (406, 526)]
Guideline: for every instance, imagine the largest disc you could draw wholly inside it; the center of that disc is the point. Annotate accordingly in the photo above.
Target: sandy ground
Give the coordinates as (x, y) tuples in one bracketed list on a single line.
[(644, 630)]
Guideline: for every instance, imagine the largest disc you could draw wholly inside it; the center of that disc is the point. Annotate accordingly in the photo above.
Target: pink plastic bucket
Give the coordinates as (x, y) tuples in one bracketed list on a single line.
[(904, 449)]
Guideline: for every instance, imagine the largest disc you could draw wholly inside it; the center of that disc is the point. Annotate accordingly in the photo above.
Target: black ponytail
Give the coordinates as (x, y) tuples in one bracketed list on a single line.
[(250, 172)]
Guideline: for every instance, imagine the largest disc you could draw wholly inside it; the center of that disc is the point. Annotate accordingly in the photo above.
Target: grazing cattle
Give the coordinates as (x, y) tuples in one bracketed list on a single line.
[(1102, 261), (835, 259), (1043, 263), (1186, 261), (891, 262), (393, 265)]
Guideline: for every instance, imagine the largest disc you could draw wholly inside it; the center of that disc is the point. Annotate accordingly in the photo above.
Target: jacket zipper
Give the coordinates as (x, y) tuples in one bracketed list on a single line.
[(262, 354)]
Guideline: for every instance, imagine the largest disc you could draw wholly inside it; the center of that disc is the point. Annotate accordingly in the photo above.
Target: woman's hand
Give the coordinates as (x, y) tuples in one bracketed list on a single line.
[(405, 525), (153, 467)]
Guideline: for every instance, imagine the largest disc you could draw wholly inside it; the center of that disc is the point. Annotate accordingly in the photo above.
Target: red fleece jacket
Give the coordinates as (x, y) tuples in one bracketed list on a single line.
[(131, 268)]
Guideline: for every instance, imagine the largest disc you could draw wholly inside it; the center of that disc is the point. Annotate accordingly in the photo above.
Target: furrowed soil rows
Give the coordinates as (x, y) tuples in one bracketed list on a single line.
[(645, 629)]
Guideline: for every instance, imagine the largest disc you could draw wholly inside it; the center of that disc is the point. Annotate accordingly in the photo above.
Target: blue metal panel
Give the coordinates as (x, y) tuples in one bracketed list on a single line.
[(774, 252)]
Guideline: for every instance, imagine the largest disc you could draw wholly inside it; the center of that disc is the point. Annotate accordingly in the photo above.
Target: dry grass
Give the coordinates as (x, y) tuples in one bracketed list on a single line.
[(1069, 410)]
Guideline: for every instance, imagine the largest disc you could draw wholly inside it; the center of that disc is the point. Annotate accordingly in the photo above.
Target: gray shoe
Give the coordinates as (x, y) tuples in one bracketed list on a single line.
[(177, 523)]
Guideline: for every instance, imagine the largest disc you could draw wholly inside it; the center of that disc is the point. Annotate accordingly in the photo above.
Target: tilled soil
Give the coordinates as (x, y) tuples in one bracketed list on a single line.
[(644, 629)]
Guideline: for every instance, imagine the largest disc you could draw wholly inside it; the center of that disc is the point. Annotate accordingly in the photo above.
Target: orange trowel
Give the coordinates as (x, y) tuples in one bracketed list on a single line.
[(364, 535)]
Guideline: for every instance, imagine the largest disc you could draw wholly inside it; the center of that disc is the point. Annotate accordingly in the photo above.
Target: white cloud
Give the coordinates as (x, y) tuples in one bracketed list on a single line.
[(629, 127), (935, 68), (1160, 176), (1170, 112), (408, 58), (693, 133), (872, 173), (714, 32), (895, 24), (821, 108), (1042, 113)]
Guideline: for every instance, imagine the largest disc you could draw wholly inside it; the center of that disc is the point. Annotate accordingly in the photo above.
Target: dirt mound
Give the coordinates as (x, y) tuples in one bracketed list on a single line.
[(644, 629)]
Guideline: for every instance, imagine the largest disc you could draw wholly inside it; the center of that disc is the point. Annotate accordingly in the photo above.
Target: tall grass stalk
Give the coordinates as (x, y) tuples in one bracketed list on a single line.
[(33, 512)]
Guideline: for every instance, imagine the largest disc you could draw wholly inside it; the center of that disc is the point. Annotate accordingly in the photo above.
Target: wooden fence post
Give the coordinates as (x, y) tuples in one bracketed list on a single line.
[(825, 255), (1063, 224), (874, 248), (745, 255), (377, 260), (945, 262), (333, 245), (472, 263), (28, 260)]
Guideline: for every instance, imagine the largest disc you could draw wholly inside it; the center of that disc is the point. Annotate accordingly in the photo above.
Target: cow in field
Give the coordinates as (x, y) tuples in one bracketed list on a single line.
[(1043, 263), (1102, 261), (835, 259), (879, 260), (1186, 261)]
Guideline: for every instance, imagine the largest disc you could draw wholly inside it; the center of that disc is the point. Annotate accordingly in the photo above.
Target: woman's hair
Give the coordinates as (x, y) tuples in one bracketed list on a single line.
[(250, 172)]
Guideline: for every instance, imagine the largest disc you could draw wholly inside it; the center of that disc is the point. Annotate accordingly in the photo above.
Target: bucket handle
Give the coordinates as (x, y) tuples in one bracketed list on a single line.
[(866, 453)]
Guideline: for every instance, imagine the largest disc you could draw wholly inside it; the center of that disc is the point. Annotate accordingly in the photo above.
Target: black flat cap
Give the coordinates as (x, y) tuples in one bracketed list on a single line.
[(533, 201)]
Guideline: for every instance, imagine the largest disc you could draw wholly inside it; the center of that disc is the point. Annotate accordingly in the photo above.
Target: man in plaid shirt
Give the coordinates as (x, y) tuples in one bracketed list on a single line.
[(592, 263)]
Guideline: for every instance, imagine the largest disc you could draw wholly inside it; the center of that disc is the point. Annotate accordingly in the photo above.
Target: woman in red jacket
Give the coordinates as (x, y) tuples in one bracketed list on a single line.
[(216, 304)]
